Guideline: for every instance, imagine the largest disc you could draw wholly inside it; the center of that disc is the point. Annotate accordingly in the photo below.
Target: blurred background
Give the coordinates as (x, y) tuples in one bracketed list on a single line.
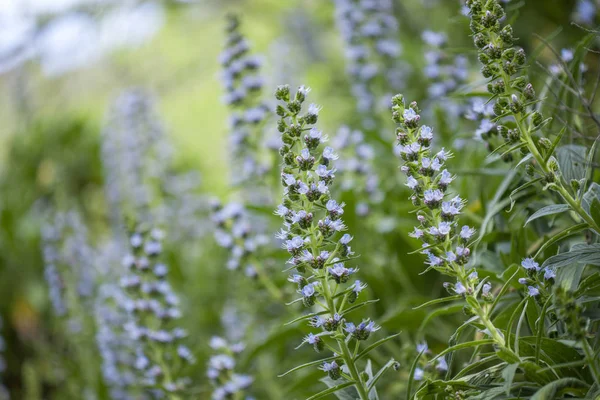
[(64, 62)]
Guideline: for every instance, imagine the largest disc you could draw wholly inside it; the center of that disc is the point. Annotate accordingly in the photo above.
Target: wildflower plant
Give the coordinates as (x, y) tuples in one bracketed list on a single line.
[(369, 30), (444, 71), (515, 102), (445, 242), (248, 112), (221, 370), (356, 169), (564, 170), (519, 259), (239, 233), (313, 236), (136, 158), (162, 354), (71, 278)]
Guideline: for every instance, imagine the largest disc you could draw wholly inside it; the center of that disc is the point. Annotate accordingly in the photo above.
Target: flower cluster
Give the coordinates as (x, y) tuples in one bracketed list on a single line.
[(243, 85), (312, 235), (586, 12), (426, 366), (355, 168), (68, 266), (444, 241), (444, 72), (502, 64), (571, 313), (482, 113), (136, 156), (538, 282), (155, 309), (566, 57), (221, 371), (117, 348), (515, 98), (235, 232), (369, 30)]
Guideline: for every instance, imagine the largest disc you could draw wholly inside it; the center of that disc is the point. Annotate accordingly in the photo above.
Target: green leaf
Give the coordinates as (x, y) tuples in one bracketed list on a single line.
[(552, 390), (373, 346), (465, 345), (373, 381), (548, 210), (372, 391), (553, 353), (439, 387), (521, 188), (580, 253), (437, 301), (307, 316), (357, 306), (519, 326), (508, 374), (560, 236), (449, 309), (591, 202), (334, 389), (308, 364), (555, 143), (541, 329), (571, 159), (569, 278), (411, 375)]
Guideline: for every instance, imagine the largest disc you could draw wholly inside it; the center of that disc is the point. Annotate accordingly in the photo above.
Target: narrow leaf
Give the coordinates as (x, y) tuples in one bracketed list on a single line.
[(373, 381), (548, 210), (373, 346), (331, 390), (309, 364), (438, 301)]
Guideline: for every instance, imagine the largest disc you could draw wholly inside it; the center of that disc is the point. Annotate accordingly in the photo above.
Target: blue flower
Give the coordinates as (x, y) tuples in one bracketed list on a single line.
[(466, 232), (533, 291), (549, 273), (459, 288), (530, 264), (419, 374)]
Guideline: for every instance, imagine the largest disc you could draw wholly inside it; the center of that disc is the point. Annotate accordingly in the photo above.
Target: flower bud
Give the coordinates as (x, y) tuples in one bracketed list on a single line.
[(283, 93), (468, 311), (480, 40), (507, 35), (294, 106), (529, 92), (529, 170), (398, 100), (502, 131), (545, 144), (553, 164), (281, 125), (509, 68), (520, 57)]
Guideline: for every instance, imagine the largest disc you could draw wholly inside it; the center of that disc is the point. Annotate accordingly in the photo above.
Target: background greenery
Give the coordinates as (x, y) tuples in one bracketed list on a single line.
[(50, 156)]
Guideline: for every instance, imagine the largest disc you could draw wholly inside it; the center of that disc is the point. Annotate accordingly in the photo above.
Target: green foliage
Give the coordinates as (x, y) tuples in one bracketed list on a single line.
[(519, 317)]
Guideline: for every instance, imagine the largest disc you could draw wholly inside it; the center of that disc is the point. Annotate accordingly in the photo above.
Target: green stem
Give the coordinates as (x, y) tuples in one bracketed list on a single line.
[(589, 355), (575, 205), (346, 354), (349, 360), (267, 282)]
